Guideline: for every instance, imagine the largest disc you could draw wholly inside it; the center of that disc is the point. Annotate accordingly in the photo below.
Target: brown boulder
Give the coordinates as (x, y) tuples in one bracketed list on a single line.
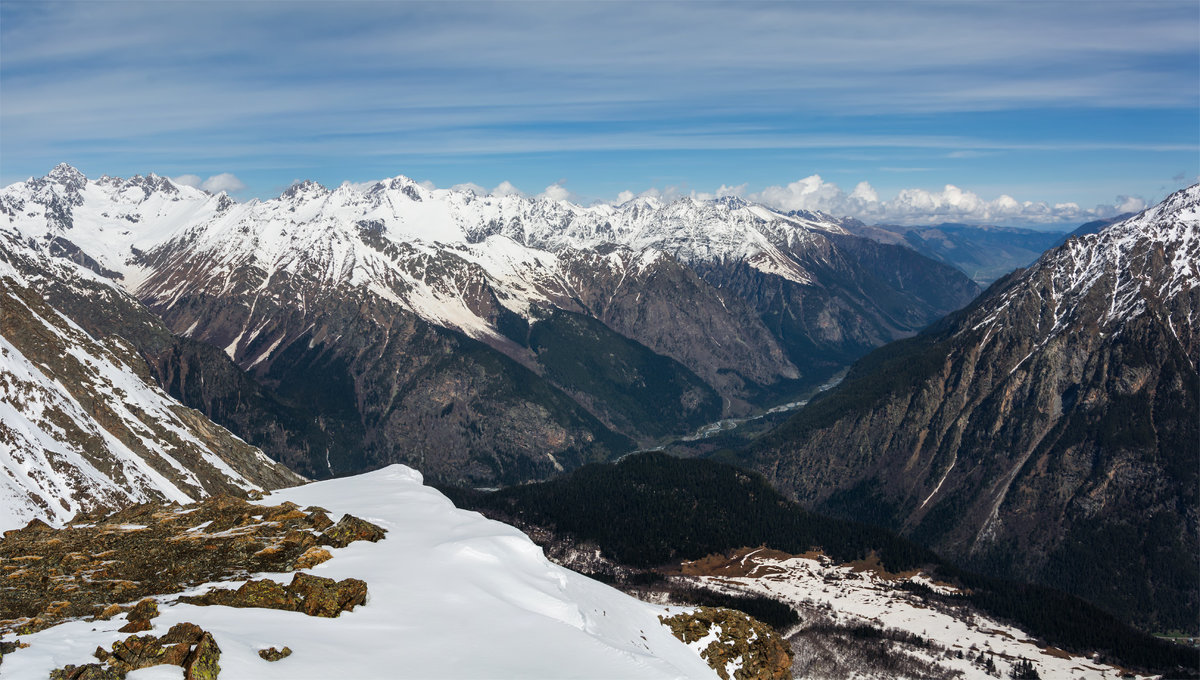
[(350, 529), (139, 617), (326, 597), (312, 557), (272, 654), (319, 519), (185, 632)]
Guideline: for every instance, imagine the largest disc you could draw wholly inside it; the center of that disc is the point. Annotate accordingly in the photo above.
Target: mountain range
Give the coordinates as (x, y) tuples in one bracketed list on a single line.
[(158, 340), (481, 339)]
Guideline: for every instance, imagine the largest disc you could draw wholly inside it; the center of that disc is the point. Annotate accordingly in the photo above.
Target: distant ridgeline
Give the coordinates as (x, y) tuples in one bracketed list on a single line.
[(651, 509)]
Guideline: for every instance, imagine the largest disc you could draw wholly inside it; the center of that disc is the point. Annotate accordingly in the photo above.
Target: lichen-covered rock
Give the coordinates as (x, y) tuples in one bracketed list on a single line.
[(88, 671), (144, 610), (313, 595), (185, 645), (185, 632), (266, 594), (272, 654), (139, 617), (319, 518), (350, 529), (754, 650), (202, 664), (98, 563), (326, 597), (136, 651), (312, 557), (136, 626)]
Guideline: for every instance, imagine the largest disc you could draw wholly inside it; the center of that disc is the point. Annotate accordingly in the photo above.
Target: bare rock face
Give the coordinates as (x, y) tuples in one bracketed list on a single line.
[(727, 638), (1047, 433)]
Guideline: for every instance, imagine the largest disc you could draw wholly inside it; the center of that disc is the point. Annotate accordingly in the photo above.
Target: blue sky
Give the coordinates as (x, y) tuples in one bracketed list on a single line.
[(1073, 109)]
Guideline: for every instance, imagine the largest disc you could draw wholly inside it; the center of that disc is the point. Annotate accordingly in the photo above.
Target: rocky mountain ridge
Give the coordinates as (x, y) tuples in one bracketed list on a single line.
[(1048, 431)]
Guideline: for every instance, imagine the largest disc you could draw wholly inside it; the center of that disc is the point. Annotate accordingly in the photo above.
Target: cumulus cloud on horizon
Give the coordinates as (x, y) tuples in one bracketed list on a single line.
[(908, 207), (556, 192), (921, 206), (225, 181)]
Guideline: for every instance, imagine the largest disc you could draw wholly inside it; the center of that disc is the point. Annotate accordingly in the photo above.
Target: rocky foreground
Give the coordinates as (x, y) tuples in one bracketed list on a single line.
[(89, 569), (278, 588)]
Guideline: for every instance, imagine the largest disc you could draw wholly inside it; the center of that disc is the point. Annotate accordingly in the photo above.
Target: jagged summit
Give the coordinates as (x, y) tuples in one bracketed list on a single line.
[(67, 175)]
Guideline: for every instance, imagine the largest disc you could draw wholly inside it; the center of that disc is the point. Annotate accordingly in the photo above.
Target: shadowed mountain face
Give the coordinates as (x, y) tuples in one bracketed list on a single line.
[(482, 339), (1048, 431)]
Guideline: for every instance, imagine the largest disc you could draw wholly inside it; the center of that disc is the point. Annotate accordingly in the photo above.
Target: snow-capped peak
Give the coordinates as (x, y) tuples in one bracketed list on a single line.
[(66, 175), (125, 223), (1154, 255)]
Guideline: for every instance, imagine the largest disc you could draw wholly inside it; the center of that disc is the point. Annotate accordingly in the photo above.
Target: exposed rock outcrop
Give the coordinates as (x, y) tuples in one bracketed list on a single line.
[(185, 645), (96, 563), (313, 595), (735, 645)]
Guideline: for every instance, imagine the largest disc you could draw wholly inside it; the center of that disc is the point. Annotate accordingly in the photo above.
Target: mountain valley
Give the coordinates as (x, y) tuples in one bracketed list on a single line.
[(163, 344)]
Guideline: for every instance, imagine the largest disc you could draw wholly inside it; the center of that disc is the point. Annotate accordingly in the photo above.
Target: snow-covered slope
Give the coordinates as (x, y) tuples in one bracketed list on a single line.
[(82, 423), (451, 595)]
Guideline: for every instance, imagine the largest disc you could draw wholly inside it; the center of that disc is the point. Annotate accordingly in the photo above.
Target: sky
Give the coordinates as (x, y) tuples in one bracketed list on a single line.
[(1026, 113)]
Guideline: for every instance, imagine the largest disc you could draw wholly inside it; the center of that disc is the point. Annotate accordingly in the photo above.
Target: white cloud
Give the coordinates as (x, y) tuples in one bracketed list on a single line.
[(471, 187), (506, 188), (187, 181), (556, 192), (723, 190), (1126, 204), (908, 206), (226, 181)]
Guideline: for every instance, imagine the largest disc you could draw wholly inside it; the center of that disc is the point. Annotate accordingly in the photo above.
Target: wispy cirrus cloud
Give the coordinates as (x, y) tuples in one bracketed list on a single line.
[(357, 90)]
